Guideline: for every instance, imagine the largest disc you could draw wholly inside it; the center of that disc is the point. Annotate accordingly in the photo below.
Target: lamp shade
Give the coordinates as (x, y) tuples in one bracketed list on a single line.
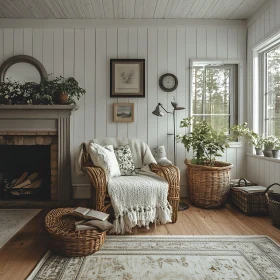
[(157, 111)]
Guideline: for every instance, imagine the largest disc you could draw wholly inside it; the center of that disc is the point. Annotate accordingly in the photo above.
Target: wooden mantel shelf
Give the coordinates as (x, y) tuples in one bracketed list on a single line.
[(39, 107)]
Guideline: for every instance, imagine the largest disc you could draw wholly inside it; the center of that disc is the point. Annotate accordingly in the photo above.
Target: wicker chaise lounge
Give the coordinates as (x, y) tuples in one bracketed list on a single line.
[(98, 181)]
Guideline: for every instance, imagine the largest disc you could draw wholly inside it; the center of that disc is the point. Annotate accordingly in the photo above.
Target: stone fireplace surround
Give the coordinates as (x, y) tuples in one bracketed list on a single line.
[(42, 125)]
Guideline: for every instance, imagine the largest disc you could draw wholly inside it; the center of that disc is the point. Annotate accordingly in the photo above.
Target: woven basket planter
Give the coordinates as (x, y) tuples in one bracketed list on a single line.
[(63, 238), (273, 202), (208, 186)]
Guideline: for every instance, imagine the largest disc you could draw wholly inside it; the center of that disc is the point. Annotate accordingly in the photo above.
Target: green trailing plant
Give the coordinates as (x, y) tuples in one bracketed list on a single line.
[(205, 142), (247, 135), (43, 93)]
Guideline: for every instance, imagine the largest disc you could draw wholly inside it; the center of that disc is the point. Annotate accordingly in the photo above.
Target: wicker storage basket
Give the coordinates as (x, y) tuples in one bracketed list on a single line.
[(249, 203), (208, 186), (65, 240), (273, 202)]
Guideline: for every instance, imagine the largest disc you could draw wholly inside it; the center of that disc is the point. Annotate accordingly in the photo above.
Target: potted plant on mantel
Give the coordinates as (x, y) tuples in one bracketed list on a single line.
[(66, 90), (208, 179)]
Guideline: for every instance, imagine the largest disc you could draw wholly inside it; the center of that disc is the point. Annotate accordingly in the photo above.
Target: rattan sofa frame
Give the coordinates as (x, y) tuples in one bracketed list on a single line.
[(98, 181)]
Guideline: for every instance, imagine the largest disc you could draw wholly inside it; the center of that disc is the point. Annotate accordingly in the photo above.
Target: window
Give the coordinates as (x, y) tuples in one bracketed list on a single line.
[(272, 91), (214, 96)]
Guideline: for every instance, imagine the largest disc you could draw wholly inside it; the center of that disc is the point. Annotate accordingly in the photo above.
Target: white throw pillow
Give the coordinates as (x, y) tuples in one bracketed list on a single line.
[(105, 158)]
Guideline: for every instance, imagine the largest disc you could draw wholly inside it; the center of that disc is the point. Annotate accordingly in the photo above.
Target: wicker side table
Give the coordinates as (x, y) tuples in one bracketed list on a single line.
[(63, 238)]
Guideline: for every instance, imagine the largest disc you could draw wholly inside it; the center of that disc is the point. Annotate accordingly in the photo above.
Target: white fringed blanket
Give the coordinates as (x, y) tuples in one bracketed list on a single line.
[(138, 201)]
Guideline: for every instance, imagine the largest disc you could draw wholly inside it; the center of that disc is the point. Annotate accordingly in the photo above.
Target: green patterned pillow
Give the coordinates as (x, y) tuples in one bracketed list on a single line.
[(125, 161)]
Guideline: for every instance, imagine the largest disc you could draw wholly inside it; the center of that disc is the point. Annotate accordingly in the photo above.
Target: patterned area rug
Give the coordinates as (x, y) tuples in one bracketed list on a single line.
[(12, 220), (169, 257)]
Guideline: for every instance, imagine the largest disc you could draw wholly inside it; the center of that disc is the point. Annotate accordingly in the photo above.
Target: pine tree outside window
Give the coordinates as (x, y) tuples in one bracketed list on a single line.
[(214, 96)]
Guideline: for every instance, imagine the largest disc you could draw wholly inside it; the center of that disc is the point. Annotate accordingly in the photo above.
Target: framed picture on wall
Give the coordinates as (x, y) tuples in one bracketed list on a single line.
[(123, 112), (127, 78)]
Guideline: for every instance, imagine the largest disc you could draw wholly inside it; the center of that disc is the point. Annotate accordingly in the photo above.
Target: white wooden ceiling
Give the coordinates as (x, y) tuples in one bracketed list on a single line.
[(110, 9)]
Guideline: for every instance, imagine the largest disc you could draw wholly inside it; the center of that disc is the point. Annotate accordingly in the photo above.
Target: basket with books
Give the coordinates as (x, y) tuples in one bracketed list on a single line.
[(76, 232), (249, 198)]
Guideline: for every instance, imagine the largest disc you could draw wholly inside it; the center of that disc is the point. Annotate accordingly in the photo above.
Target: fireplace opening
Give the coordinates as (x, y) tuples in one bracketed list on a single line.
[(25, 172)]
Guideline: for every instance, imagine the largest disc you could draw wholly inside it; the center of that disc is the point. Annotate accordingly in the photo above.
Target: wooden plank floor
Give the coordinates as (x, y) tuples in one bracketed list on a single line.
[(21, 254)]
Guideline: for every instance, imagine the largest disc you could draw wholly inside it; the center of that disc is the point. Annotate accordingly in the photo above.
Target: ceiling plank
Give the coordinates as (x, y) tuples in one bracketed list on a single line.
[(43, 8), (19, 5), (171, 8), (184, 8), (139, 9), (118, 9), (33, 8), (129, 8), (98, 8), (12, 12), (246, 9), (197, 6), (77, 8), (108, 8), (160, 8), (67, 8), (213, 9), (149, 8), (87, 8), (204, 9)]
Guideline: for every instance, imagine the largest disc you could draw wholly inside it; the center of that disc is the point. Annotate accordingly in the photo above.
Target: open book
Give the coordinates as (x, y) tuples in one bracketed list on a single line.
[(90, 214)]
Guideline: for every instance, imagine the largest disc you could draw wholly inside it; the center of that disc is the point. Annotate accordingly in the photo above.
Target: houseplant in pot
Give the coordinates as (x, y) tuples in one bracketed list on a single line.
[(276, 148), (208, 179), (269, 143), (241, 131), (66, 90)]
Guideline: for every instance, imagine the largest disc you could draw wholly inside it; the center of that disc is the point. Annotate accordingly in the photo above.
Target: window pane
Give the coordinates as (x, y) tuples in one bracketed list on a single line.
[(273, 92), (217, 122), (212, 95), (197, 90)]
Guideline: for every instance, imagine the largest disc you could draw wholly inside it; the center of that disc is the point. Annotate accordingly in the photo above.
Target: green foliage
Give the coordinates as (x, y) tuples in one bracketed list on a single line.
[(43, 93), (248, 135), (271, 142), (205, 142)]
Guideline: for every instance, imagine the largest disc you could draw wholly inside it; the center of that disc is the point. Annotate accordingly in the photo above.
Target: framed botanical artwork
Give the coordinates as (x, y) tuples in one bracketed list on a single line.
[(123, 112), (127, 78)]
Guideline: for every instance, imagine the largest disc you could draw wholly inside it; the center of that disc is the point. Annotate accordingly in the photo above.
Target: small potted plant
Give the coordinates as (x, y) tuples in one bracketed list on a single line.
[(67, 90), (208, 179), (269, 143)]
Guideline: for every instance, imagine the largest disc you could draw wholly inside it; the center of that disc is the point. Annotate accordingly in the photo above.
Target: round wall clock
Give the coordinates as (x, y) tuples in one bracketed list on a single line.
[(168, 82)]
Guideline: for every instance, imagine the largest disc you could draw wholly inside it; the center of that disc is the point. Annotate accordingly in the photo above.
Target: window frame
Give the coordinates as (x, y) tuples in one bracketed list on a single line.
[(239, 86)]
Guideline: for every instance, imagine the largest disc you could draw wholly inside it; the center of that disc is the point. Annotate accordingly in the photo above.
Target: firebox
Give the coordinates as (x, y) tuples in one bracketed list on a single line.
[(26, 171)]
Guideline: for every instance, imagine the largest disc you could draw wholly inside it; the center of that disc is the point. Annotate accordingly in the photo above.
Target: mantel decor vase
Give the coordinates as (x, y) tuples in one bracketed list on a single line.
[(61, 97), (208, 186)]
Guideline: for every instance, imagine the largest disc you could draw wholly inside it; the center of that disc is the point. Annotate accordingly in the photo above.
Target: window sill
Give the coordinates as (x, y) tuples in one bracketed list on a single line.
[(264, 158)]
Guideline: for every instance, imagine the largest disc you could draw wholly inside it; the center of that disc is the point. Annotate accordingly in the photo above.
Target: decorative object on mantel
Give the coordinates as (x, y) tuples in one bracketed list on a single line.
[(208, 180), (127, 77), (23, 68), (273, 202), (169, 257), (60, 90), (123, 112)]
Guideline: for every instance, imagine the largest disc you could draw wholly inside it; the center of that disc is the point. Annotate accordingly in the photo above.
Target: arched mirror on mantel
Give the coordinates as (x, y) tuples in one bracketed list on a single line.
[(23, 68)]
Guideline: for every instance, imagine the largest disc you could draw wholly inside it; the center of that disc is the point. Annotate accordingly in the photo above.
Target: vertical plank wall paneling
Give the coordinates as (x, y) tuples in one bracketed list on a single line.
[(85, 53), (262, 26)]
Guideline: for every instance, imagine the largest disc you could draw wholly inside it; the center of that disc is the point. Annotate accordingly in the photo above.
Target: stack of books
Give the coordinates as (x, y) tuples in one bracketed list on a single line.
[(91, 219)]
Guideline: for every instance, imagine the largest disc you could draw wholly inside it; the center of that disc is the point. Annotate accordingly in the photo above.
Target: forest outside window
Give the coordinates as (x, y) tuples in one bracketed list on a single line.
[(272, 91), (214, 94)]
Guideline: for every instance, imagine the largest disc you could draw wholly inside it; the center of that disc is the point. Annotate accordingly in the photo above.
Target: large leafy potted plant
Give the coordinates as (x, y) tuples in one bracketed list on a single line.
[(208, 179)]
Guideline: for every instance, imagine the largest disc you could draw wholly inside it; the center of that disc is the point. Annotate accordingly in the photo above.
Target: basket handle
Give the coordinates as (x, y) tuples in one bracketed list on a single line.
[(242, 179), (267, 189)]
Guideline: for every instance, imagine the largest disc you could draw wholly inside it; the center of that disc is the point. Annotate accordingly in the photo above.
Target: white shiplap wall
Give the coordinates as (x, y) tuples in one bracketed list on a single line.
[(85, 53), (261, 26)]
